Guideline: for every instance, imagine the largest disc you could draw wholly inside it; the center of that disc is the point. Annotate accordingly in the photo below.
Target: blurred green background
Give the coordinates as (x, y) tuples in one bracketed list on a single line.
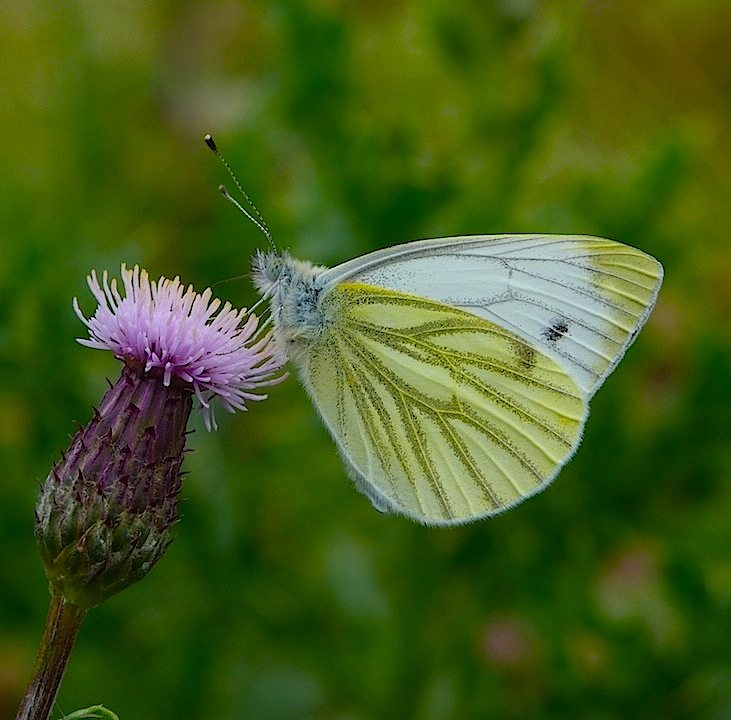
[(356, 125)]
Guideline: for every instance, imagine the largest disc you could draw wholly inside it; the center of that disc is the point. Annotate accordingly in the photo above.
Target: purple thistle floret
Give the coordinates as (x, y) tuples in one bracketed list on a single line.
[(165, 327), (105, 512)]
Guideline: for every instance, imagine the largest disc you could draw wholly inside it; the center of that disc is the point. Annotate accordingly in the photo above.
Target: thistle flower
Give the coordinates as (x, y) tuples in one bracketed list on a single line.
[(104, 513), (172, 332)]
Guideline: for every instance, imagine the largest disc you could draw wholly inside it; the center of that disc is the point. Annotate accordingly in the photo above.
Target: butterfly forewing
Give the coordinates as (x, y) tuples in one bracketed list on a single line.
[(440, 414), (580, 299)]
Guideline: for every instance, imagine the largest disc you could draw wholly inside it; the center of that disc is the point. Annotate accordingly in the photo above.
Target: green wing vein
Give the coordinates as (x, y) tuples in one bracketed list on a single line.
[(441, 415)]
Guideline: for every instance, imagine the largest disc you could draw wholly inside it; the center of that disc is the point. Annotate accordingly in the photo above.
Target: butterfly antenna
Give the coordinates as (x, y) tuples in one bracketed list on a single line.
[(255, 216)]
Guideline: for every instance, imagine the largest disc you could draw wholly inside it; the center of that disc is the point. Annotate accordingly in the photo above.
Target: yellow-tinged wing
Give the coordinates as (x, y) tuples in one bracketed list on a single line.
[(439, 414), (580, 299)]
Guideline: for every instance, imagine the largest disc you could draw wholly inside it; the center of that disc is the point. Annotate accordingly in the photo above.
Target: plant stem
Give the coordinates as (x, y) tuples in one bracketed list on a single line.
[(62, 626)]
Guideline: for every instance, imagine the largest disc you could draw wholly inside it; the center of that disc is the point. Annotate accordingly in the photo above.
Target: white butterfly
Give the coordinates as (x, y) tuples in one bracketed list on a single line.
[(455, 374)]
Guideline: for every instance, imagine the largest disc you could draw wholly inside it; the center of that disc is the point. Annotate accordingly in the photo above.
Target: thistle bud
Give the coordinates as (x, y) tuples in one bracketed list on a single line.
[(105, 512)]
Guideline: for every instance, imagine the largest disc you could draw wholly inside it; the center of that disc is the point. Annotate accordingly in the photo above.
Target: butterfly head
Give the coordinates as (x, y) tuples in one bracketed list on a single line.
[(267, 269), (276, 274)]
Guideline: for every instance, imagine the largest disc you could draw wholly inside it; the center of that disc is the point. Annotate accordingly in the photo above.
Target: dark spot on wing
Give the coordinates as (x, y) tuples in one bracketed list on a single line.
[(555, 331)]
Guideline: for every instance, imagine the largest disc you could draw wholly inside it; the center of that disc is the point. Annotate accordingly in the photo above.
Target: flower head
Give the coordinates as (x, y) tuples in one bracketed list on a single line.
[(105, 512), (167, 329)]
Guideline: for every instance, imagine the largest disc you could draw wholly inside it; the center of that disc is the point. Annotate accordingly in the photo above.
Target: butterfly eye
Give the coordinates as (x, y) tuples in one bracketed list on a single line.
[(275, 267)]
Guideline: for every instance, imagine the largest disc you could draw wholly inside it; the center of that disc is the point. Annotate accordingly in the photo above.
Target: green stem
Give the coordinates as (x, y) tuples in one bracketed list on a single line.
[(62, 626)]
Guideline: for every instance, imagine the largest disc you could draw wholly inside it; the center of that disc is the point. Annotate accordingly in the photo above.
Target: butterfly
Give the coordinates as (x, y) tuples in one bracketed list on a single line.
[(455, 374)]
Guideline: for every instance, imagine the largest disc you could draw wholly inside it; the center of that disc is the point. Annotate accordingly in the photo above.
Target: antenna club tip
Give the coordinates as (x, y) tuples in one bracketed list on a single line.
[(208, 140)]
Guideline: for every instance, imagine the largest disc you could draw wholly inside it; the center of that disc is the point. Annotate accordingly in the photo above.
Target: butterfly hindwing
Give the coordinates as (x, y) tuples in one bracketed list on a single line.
[(440, 414)]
